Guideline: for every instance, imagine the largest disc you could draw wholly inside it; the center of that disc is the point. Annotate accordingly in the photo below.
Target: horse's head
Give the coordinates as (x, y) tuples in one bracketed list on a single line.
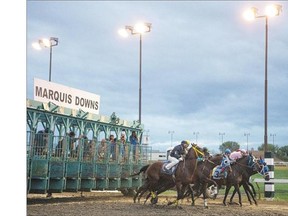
[(216, 159), (253, 163), (194, 152)]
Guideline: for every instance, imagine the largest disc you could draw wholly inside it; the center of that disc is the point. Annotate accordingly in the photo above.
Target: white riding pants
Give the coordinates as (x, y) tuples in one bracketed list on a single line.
[(173, 162)]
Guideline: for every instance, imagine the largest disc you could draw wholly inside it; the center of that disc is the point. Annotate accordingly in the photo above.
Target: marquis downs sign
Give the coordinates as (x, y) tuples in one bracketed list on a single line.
[(61, 95)]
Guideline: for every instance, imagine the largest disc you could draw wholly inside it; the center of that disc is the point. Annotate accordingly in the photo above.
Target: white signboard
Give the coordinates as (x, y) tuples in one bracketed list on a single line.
[(61, 95)]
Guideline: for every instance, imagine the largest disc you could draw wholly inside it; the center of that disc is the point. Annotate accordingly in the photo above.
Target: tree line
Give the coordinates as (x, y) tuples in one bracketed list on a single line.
[(279, 152)]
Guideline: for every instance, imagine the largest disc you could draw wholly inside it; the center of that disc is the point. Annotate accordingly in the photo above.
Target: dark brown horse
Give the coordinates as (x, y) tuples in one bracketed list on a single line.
[(235, 178), (200, 179), (156, 181), (203, 177), (245, 180)]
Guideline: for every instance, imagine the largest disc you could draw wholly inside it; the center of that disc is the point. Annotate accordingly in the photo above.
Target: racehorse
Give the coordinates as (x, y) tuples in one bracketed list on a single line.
[(203, 177), (235, 177), (157, 182), (246, 183), (200, 179)]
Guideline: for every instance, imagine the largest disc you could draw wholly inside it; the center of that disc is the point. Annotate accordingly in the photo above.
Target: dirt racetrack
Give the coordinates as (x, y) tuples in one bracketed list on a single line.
[(114, 203)]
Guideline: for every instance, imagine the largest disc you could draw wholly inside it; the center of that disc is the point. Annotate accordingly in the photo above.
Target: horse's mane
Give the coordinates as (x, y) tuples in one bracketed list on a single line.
[(239, 160)]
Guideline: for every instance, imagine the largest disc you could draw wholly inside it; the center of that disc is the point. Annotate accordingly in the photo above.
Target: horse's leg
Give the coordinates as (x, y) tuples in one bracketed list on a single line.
[(239, 194), (249, 192), (147, 197), (136, 195), (233, 194), (141, 190), (226, 194), (141, 194), (190, 190), (204, 187), (253, 189), (179, 194)]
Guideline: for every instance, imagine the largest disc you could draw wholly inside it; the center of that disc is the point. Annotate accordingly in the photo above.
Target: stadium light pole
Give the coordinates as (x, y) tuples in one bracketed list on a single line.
[(252, 14), (196, 135), (273, 135), (221, 134), (247, 135), (140, 29), (47, 43), (171, 132)]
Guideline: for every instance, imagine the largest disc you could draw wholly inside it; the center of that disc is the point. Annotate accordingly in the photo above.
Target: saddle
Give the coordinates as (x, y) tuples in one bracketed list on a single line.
[(168, 171), (217, 173)]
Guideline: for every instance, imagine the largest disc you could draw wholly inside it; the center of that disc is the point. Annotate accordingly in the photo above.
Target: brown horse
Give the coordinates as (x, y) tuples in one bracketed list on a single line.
[(235, 178), (203, 177), (245, 180), (156, 181), (247, 166)]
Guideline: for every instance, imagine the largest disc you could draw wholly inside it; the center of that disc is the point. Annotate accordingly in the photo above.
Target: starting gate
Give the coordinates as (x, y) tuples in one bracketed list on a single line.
[(69, 150)]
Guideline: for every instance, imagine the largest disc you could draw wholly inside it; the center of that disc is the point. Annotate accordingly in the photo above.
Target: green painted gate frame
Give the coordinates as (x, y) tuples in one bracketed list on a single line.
[(60, 120)]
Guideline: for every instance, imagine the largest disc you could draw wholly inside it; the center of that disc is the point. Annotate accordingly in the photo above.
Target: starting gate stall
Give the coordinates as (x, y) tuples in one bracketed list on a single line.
[(102, 165), (58, 161), (115, 168), (88, 181), (126, 181), (57, 179), (38, 153), (73, 168)]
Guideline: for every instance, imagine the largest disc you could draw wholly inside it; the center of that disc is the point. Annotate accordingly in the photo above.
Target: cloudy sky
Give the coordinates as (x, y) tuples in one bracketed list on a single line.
[(202, 65)]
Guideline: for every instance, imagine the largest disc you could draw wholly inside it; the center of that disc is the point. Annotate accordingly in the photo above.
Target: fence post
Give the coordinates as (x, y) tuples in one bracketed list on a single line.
[(269, 186)]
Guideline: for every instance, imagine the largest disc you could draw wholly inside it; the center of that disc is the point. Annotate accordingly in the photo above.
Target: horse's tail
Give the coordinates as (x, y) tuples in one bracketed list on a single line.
[(143, 169)]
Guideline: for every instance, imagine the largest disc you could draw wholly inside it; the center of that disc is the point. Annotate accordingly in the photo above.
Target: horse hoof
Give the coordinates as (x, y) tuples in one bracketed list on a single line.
[(206, 207), (154, 200)]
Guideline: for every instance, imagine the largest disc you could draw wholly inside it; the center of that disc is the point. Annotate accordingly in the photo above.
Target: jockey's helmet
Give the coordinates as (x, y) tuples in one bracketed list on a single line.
[(243, 151), (185, 143), (227, 151)]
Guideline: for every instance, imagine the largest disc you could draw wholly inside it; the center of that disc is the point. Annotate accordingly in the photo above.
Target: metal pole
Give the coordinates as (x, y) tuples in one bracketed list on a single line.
[(222, 134), (266, 86), (50, 64), (171, 132), (196, 135), (140, 78), (247, 134)]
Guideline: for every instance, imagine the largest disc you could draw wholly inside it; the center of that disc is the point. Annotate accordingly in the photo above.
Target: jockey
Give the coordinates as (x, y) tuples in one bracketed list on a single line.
[(177, 154), (227, 153), (237, 154), (226, 161)]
